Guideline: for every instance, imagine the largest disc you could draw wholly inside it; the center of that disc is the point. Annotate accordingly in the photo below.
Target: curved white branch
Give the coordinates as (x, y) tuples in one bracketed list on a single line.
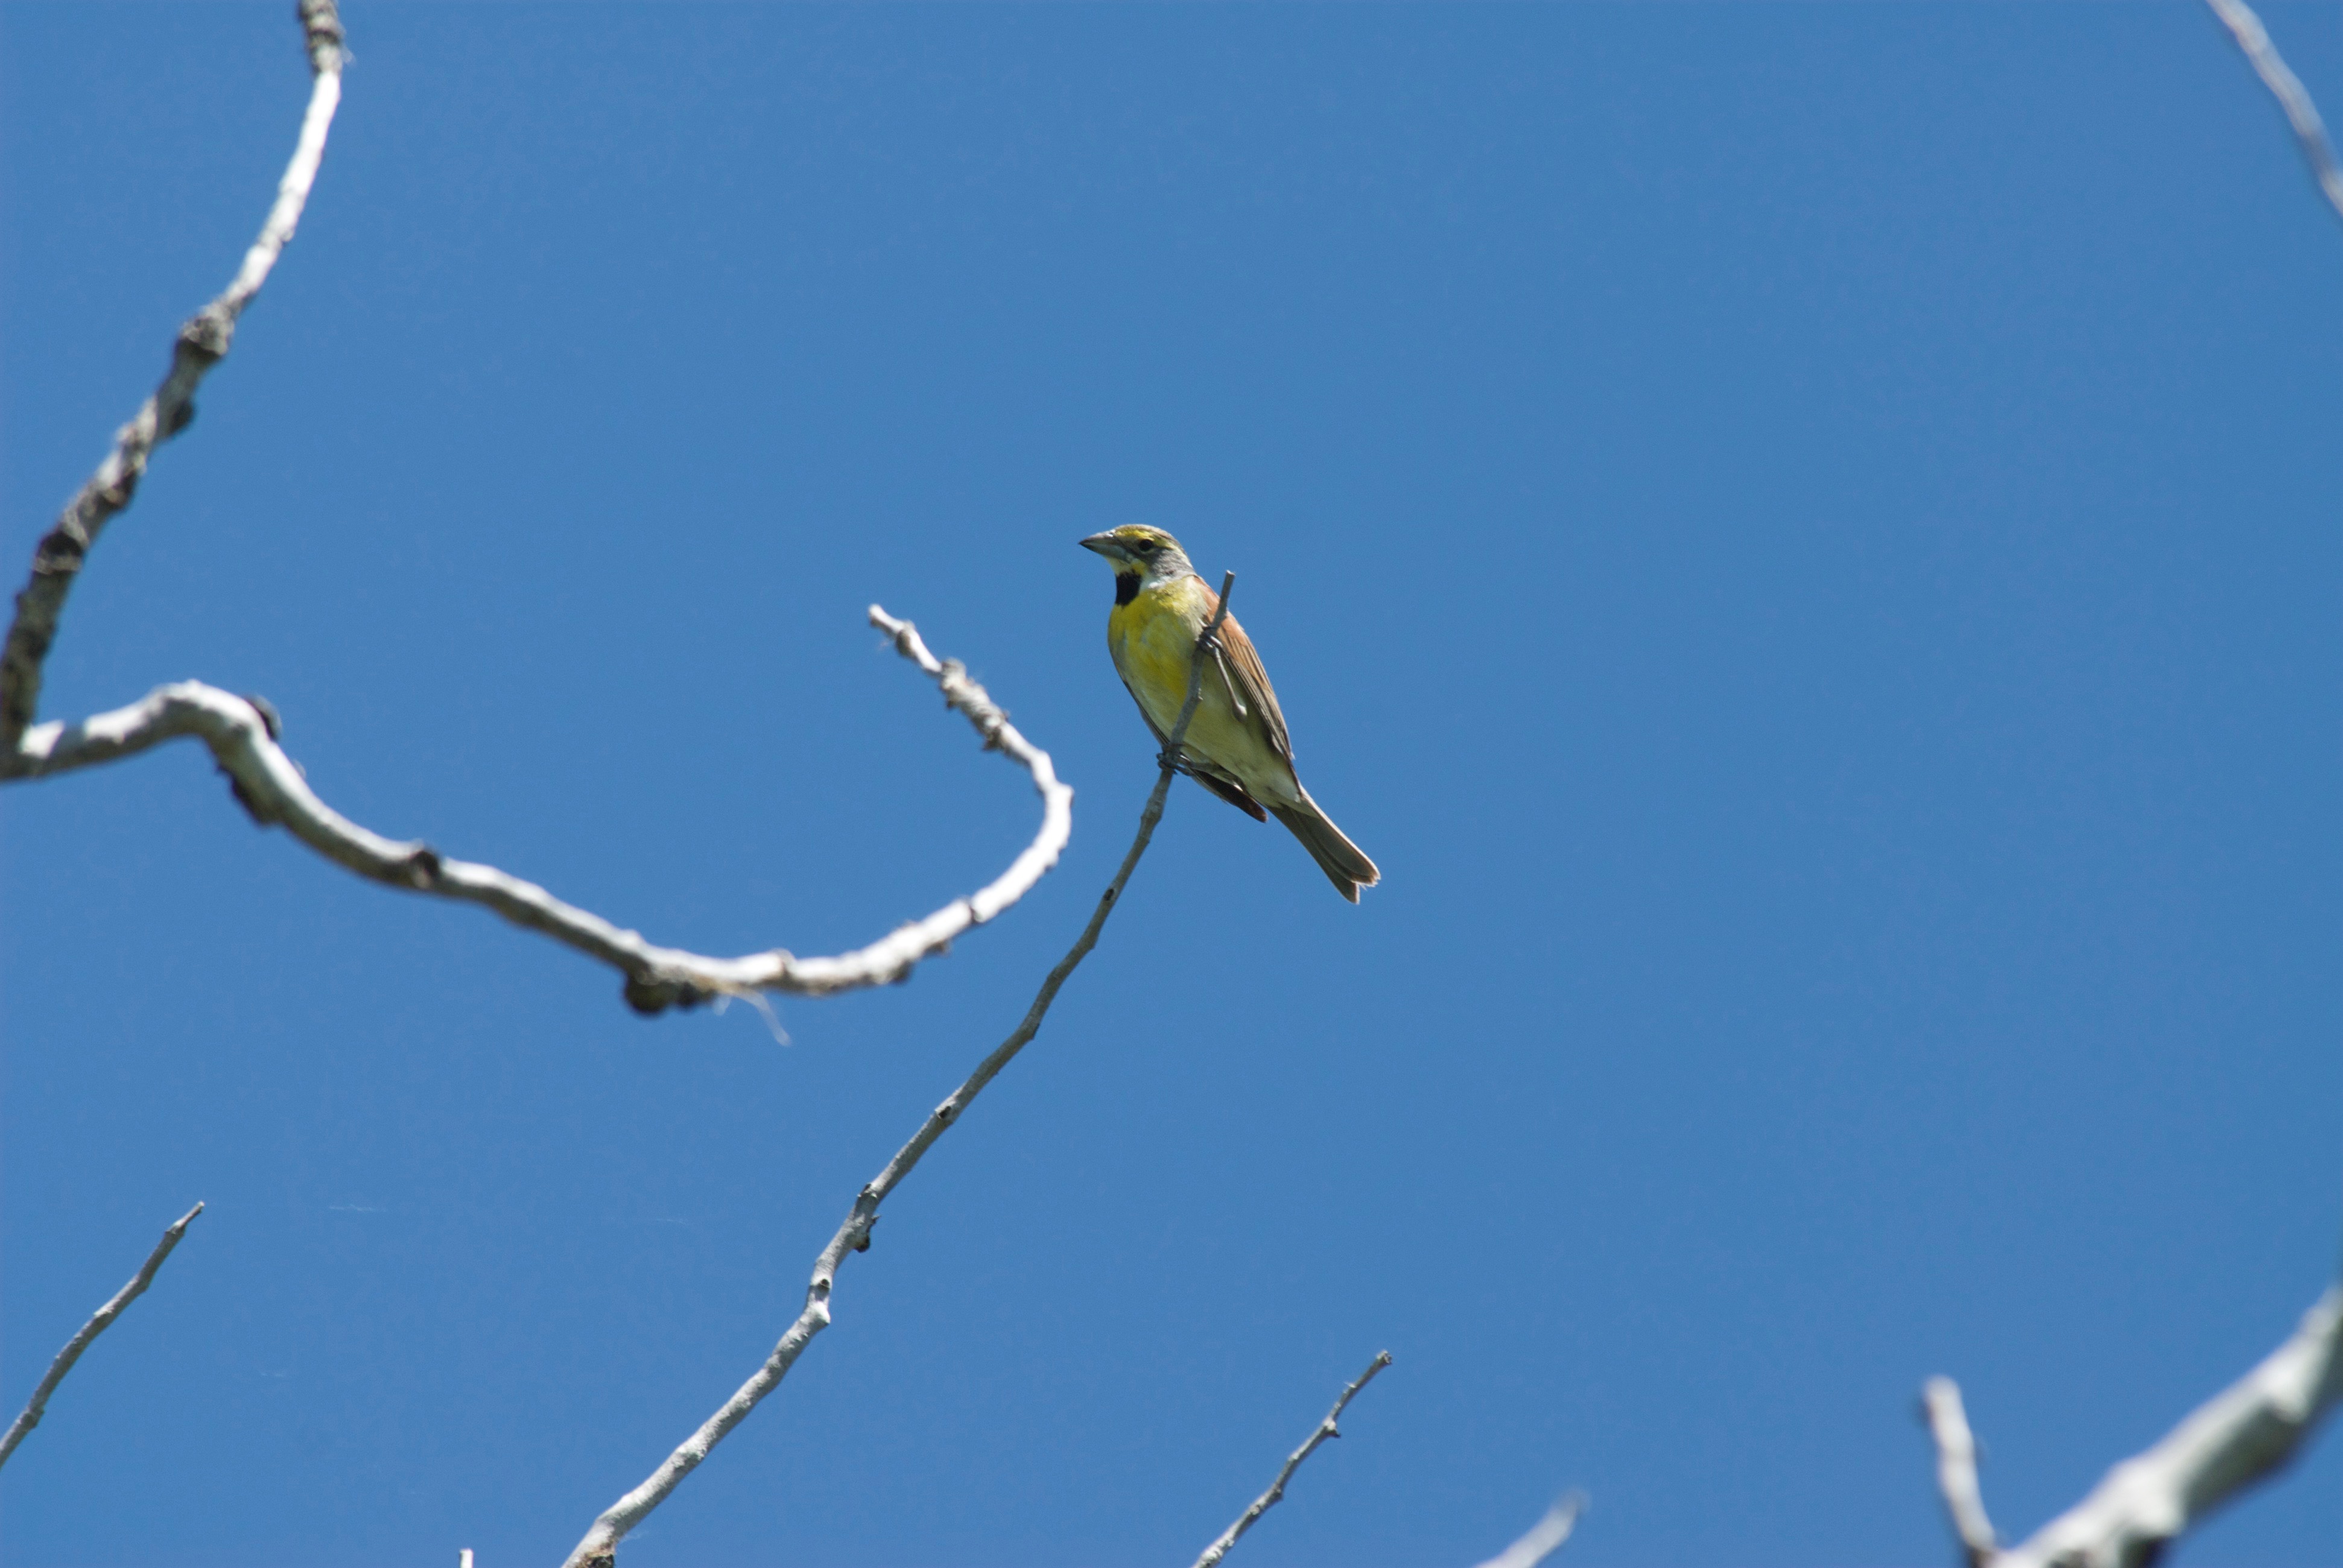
[(599, 1546), (1545, 1538), (203, 342), (1957, 1470), (2309, 134), (242, 733), (1325, 1429), (102, 1320)]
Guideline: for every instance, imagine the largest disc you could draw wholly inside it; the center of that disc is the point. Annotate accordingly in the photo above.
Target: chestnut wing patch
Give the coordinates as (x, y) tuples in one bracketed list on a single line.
[(1249, 682)]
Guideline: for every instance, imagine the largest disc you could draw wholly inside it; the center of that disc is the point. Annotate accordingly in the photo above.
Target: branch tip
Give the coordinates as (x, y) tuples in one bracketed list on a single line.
[(1956, 1472), (1545, 1538), (99, 1321), (1326, 1429), (242, 734)]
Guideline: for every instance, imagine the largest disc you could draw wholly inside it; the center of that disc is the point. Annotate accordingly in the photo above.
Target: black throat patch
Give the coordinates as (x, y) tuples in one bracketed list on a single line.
[(1126, 587)]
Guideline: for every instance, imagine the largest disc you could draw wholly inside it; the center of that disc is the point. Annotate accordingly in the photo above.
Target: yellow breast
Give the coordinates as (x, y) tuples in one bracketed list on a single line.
[(1152, 640)]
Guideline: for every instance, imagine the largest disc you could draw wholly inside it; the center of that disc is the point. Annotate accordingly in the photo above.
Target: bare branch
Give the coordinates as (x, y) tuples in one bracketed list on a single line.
[(1209, 640), (2241, 1435), (1956, 1471), (2234, 1440), (2254, 40), (599, 1547), (1545, 1537), (242, 733), (98, 1324), (1325, 1429), (203, 342)]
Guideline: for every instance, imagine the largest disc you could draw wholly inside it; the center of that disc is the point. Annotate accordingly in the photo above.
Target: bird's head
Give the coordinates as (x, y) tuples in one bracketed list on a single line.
[(1141, 557)]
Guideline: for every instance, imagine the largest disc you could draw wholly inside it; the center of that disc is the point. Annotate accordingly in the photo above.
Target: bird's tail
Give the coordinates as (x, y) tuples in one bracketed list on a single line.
[(1345, 864)]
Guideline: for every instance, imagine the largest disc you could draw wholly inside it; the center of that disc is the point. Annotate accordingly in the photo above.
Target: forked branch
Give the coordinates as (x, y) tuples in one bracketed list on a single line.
[(2241, 1435), (101, 1321), (203, 342), (243, 733), (599, 1547)]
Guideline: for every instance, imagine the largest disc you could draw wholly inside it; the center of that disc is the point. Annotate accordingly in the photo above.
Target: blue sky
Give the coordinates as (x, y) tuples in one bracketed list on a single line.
[(1805, 539)]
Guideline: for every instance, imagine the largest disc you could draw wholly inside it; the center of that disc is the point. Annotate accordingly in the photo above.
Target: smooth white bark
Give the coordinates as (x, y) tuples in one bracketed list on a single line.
[(2234, 1439), (242, 734), (1956, 1469), (2238, 1437), (2309, 132), (100, 1320)]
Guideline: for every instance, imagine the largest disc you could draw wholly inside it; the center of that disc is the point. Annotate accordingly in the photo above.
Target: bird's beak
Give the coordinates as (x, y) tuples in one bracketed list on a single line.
[(1108, 546)]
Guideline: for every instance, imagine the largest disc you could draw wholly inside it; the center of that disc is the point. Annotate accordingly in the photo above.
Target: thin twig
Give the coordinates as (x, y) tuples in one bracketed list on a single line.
[(2240, 1435), (2309, 134), (599, 1547), (102, 1321), (1325, 1429), (1171, 755), (1545, 1537), (203, 342), (243, 732), (1957, 1470)]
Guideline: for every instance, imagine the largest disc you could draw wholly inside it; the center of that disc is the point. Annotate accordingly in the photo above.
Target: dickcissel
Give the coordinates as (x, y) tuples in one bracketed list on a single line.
[(1237, 745)]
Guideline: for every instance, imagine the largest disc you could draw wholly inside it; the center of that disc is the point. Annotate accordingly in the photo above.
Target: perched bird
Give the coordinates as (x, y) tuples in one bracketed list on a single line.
[(1236, 743)]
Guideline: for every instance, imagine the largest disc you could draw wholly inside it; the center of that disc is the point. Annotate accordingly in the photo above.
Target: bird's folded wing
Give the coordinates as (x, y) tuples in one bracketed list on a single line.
[(1248, 681)]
